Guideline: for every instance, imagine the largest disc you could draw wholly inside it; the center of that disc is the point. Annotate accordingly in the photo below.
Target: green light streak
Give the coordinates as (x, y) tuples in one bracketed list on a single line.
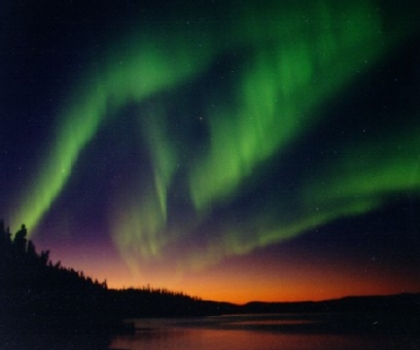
[(144, 71), (374, 168), (278, 94), (79, 127), (162, 152), (140, 223), (267, 230)]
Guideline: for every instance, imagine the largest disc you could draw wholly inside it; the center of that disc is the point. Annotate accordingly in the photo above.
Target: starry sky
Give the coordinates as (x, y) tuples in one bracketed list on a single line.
[(232, 150)]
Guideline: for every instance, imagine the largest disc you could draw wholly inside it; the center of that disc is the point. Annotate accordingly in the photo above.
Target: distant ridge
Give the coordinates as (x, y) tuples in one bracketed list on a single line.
[(368, 303)]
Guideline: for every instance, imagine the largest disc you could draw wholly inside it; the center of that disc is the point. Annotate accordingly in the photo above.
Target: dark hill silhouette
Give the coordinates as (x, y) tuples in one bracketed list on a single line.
[(36, 291), (40, 296), (379, 314)]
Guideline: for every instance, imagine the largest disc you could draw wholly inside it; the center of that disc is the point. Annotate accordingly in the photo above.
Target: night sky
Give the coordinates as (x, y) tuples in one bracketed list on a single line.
[(232, 150)]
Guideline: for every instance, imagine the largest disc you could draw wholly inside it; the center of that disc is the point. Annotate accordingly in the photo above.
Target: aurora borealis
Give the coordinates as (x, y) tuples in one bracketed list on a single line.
[(217, 146)]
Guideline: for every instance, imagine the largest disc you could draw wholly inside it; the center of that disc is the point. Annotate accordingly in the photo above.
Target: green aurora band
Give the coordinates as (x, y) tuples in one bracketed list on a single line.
[(296, 59)]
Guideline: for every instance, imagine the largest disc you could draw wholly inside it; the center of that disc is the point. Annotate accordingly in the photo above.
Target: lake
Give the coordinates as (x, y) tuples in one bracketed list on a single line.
[(269, 332)]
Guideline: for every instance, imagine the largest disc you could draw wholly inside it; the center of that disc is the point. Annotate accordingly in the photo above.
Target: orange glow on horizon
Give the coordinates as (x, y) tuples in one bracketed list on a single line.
[(304, 292), (241, 291)]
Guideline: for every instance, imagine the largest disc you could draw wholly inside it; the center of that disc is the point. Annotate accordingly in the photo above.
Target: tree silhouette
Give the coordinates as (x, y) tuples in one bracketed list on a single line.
[(20, 240)]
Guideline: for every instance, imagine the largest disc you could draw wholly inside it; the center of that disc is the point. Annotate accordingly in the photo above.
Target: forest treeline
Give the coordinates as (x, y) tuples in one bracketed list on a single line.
[(35, 290)]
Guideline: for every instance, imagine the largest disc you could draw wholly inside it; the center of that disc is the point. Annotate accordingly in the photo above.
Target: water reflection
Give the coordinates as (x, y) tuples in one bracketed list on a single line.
[(246, 332), (24, 338), (250, 332)]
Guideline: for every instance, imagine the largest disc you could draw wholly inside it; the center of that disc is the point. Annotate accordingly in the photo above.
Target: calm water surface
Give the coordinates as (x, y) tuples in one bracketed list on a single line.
[(249, 332)]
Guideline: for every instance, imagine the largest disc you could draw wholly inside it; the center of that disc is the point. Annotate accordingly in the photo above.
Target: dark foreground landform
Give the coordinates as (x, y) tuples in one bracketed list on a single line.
[(38, 297)]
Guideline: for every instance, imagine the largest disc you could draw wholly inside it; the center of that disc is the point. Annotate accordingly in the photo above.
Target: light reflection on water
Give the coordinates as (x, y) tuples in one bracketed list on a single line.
[(250, 333)]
